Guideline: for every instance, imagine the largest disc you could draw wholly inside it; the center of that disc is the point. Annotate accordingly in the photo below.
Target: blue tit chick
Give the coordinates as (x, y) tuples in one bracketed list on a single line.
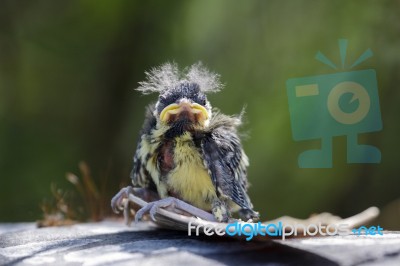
[(189, 154)]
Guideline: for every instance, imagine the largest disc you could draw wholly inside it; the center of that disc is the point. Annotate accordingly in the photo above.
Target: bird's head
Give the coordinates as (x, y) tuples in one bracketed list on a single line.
[(182, 101), (184, 104)]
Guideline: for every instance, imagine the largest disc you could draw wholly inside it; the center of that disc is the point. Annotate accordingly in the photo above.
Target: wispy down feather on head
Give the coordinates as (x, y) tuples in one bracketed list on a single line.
[(168, 76)]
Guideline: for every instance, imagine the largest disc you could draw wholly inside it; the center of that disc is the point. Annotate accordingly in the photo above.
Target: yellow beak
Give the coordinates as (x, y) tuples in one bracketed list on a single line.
[(175, 109)]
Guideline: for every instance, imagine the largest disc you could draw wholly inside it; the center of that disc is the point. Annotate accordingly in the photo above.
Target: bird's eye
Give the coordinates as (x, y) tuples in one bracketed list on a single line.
[(200, 99)]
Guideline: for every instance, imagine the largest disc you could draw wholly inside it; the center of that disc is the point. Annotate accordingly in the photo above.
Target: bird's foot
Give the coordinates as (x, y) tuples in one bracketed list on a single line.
[(121, 201), (174, 204), (118, 201)]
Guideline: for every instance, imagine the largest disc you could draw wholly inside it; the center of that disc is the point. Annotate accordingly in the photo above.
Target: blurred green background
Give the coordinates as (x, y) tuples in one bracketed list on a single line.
[(68, 70)]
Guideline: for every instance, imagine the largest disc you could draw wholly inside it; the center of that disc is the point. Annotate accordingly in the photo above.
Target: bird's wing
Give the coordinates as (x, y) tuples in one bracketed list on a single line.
[(225, 159), (140, 175)]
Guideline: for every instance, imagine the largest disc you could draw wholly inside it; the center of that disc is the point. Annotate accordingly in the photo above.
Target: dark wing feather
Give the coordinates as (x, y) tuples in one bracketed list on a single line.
[(139, 174), (224, 157)]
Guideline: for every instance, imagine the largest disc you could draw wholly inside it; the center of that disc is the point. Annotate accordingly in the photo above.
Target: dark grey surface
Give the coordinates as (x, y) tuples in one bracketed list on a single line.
[(354, 250), (112, 243)]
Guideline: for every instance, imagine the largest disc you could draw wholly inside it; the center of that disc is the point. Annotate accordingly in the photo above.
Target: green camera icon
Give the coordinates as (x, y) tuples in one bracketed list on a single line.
[(338, 104)]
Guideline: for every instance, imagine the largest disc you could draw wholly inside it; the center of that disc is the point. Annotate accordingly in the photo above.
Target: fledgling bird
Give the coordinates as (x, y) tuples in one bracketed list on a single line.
[(189, 154)]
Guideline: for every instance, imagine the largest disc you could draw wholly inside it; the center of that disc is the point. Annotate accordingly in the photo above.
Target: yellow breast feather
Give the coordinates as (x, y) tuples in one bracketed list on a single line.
[(190, 179)]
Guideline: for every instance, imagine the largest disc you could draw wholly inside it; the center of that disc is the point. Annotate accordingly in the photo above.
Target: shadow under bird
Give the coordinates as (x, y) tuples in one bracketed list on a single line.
[(189, 155)]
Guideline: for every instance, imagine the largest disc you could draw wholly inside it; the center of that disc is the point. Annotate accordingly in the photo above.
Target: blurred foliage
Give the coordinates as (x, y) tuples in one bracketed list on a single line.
[(65, 207), (68, 69)]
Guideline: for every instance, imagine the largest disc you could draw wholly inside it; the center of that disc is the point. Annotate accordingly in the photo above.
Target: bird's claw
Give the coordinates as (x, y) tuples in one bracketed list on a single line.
[(152, 208), (119, 201), (174, 204)]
